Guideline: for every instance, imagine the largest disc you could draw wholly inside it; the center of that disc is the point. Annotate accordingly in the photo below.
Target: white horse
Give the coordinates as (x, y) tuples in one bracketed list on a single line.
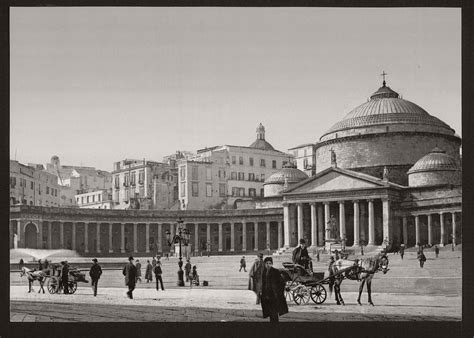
[(33, 275), (362, 270)]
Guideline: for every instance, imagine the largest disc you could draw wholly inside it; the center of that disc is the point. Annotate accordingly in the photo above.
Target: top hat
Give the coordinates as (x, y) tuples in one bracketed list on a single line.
[(130, 258), (94, 260), (268, 259)]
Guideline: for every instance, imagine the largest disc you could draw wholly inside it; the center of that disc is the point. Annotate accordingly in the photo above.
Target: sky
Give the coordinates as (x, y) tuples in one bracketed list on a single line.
[(96, 85)]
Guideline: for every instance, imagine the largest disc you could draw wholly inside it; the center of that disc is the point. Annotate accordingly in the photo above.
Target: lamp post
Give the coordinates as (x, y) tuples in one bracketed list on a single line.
[(181, 237)]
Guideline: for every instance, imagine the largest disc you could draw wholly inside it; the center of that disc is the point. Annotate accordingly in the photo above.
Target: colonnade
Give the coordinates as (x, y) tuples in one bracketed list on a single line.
[(444, 237)]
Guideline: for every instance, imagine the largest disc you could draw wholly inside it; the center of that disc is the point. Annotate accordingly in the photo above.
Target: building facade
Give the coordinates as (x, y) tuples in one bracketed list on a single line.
[(305, 158), (98, 199)]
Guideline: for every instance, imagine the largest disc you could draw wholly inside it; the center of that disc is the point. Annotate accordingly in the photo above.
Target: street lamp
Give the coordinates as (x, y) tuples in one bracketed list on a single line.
[(181, 236)]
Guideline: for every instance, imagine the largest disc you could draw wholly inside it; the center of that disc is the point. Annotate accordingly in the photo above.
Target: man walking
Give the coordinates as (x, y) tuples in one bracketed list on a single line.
[(64, 277), (273, 297), (402, 250), (95, 273), (255, 277), (243, 264), (157, 270), (187, 269), (130, 273)]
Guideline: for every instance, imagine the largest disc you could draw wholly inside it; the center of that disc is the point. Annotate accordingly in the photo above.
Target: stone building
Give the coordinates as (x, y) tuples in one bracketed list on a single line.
[(97, 199), (220, 176), (305, 158)]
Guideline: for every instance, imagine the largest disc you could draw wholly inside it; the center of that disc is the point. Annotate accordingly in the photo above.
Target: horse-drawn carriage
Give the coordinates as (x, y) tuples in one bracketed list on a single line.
[(75, 275)]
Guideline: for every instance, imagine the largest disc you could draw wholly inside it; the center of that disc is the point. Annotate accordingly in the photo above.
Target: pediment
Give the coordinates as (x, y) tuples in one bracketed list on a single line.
[(333, 180)]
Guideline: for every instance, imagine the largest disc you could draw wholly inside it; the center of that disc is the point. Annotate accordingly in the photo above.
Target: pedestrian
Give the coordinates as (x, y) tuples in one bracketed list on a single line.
[(130, 273), (300, 254), (46, 265), (157, 270), (402, 250), (167, 256), (40, 265), (273, 297), (243, 264), (187, 270), (149, 272), (95, 273), (362, 250), (194, 276), (421, 258), (317, 255), (20, 265), (255, 276), (436, 251), (138, 265), (153, 263), (64, 277), (337, 255)]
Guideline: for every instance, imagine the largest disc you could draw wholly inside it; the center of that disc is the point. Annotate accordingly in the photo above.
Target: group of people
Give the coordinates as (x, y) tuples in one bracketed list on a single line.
[(132, 274)]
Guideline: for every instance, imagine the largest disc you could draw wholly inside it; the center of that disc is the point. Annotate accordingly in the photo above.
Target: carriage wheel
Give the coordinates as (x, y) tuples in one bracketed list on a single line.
[(289, 291), (301, 294), (52, 285), (72, 286), (318, 294)]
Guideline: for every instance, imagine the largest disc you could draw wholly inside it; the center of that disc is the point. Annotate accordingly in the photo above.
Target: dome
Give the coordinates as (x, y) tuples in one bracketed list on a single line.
[(292, 175), (386, 107), (262, 144), (436, 160)]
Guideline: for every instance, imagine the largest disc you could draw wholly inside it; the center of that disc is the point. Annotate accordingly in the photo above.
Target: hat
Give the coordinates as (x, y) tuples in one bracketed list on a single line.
[(94, 260), (130, 258), (268, 259), (302, 241), (260, 255)]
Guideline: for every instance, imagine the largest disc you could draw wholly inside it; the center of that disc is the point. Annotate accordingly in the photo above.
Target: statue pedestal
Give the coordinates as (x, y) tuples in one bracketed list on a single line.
[(329, 242)]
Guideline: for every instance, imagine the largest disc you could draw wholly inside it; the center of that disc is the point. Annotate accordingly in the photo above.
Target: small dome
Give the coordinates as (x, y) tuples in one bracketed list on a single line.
[(54, 158), (436, 160), (292, 175), (262, 144)]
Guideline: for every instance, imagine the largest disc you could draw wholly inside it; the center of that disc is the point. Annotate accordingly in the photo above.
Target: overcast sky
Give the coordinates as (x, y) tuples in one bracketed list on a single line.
[(98, 85)]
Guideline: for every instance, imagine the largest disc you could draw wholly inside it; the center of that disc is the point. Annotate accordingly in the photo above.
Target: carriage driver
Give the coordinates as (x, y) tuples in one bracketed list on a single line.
[(301, 256)]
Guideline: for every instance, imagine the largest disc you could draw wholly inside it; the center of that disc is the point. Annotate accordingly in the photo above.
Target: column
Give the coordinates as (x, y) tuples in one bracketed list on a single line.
[(255, 228), (417, 230), (232, 237), (371, 223), (269, 243), (19, 236), (314, 228), (159, 246), (286, 224), (244, 236), (342, 220), (220, 237), (61, 235), (111, 246), (86, 237), (147, 237), (122, 237), (300, 222), (356, 223), (453, 215), (98, 237), (73, 236), (39, 238), (326, 219), (50, 239), (386, 216), (208, 236), (135, 237), (430, 230), (280, 237), (319, 209), (441, 224), (405, 231), (196, 237)]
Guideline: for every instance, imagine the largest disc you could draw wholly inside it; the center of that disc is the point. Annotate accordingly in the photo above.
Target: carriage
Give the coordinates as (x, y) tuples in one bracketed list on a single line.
[(75, 275), (303, 284)]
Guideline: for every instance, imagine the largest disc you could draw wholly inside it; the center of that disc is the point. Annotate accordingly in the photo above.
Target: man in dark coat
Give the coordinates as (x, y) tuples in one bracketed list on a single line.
[(130, 273), (95, 273), (300, 255), (187, 270), (157, 270), (64, 276), (273, 297), (402, 250)]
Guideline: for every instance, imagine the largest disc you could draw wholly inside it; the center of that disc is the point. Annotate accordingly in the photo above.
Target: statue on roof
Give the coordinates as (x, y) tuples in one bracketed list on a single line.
[(333, 158), (385, 173)]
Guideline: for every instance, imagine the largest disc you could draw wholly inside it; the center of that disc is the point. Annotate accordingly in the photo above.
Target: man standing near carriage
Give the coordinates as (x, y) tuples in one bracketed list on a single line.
[(255, 277), (95, 273), (300, 255), (64, 277), (130, 273), (273, 296)]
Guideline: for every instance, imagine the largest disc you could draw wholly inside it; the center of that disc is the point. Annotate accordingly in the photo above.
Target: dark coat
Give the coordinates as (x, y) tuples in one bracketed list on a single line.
[(130, 273), (65, 272), (95, 271), (157, 270), (300, 256), (148, 272), (139, 269), (273, 296)]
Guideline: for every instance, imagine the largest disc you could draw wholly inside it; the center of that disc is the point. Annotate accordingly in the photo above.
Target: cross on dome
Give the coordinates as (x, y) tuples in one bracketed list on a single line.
[(383, 74)]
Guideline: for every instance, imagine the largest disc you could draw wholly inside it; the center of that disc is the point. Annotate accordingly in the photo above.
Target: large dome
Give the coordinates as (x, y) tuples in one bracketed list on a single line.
[(292, 175), (437, 159), (385, 107)]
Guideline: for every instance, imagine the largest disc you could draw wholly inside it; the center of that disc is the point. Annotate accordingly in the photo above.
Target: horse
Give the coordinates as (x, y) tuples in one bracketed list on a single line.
[(362, 270), (33, 275)]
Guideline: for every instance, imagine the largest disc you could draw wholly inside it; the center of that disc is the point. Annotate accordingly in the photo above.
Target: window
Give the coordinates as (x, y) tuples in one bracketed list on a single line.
[(241, 160), (39, 189), (305, 163), (132, 178), (141, 176), (93, 198), (233, 175), (126, 180), (241, 176), (47, 190), (183, 190), (98, 198), (194, 173), (233, 160), (208, 173), (295, 153), (305, 152), (82, 199), (262, 177), (117, 182), (219, 174), (222, 190), (195, 189), (251, 177), (251, 161), (87, 199), (235, 191), (12, 182), (262, 162), (182, 173), (32, 185), (252, 192), (77, 200), (209, 189), (261, 192), (242, 192), (274, 164)]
